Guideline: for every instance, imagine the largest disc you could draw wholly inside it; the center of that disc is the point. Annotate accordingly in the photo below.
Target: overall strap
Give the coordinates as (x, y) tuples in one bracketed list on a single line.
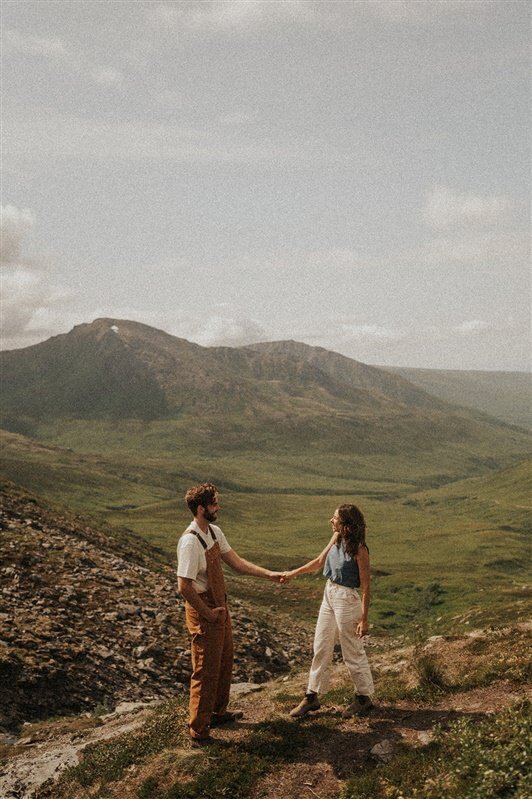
[(200, 539)]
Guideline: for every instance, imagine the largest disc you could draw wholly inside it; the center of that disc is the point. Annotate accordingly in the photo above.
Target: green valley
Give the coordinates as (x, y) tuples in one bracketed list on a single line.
[(287, 432)]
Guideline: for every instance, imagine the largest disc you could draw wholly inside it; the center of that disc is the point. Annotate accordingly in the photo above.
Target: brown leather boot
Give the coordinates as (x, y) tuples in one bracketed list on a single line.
[(360, 706), (307, 705)]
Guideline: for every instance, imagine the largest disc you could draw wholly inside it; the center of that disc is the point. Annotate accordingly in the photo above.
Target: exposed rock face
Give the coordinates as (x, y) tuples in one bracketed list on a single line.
[(87, 620)]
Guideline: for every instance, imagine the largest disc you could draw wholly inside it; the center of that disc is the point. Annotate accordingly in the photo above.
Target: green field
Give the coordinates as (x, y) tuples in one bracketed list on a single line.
[(439, 549)]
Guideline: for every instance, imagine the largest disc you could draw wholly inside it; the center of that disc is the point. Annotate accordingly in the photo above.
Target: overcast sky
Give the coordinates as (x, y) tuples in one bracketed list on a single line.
[(354, 175)]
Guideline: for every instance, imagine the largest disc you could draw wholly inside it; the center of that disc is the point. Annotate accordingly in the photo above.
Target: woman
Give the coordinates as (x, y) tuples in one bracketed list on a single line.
[(343, 615)]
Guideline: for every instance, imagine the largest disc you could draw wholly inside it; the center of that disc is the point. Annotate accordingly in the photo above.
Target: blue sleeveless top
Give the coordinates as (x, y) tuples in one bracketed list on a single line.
[(341, 568)]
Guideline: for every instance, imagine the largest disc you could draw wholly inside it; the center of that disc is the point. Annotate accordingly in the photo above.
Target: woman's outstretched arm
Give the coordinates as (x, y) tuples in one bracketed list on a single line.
[(313, 565)]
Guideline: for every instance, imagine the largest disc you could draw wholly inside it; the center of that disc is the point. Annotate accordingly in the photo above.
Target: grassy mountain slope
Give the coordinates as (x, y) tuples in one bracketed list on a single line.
[(296, 433), (504, 395)]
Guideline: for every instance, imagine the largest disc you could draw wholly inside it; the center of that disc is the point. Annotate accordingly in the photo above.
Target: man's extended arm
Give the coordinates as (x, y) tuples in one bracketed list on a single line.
[(246, 567)]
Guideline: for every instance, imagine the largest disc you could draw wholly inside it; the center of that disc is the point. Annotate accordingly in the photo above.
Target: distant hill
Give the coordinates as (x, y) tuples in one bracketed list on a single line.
[(504, 395), (281, 396)]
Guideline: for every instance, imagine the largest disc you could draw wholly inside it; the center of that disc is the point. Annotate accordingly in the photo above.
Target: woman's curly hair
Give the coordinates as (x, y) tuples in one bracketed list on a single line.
[(352, 529)]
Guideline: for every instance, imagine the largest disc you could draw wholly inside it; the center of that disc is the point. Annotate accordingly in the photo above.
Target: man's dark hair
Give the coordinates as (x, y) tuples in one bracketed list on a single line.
[(203, 495)]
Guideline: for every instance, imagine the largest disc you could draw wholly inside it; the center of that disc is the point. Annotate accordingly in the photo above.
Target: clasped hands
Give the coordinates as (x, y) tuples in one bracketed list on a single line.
[(280, 577)]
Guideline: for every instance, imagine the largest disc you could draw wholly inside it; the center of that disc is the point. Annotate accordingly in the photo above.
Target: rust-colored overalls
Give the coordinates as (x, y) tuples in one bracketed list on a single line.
[(212, 649)]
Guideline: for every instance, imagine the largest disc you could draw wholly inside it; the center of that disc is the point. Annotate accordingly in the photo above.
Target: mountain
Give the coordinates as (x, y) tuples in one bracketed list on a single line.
[(504, 395), (127, 369), (280, 396)]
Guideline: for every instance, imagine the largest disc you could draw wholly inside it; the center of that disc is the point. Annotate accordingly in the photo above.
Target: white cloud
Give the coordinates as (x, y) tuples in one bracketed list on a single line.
[(472, 326), (429, 346), (23, 293), (54, 47), (15, 224), (47, 46), (446, 208), (236, 119), (415, 11), (227, 15), (336, 258), (371, 333), (67, 136), (488, 247), (27, 295), (226, 329)]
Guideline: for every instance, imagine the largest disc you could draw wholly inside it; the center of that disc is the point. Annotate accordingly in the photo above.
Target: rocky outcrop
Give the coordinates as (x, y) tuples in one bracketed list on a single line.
[(87, 619)]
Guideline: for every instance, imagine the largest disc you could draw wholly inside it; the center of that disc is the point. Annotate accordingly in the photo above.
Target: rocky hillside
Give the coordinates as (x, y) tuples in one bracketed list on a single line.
[(91, 619)]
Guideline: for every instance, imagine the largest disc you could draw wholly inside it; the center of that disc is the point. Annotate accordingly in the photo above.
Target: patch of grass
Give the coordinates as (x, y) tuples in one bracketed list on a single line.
[(469, 760), (224, 771), (148, 789), (133, 475), (106, 761), (234, 772), (431, 681), (502, 655), (285, 698), (392, 688), (230, 776), (497, 654), (338, 696)]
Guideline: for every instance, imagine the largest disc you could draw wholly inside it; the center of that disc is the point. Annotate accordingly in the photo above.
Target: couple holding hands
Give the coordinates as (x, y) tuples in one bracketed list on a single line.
[(343, 615)]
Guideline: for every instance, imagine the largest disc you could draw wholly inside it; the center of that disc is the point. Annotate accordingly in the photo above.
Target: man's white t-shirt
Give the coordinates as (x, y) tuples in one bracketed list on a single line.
[(191, 561)]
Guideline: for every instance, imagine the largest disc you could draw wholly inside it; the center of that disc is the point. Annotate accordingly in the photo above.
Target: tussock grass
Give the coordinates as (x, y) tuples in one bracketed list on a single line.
[(497, 654), (430, 674)]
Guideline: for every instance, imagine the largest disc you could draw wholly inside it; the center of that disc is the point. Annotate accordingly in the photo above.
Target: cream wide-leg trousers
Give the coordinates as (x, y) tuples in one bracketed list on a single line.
[(339, 615)]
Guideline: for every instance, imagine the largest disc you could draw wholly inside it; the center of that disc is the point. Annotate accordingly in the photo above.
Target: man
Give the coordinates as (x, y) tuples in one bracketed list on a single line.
[(200, 553)]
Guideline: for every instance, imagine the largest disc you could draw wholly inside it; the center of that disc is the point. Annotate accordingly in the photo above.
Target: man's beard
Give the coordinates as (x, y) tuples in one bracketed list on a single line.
[(210, 517)]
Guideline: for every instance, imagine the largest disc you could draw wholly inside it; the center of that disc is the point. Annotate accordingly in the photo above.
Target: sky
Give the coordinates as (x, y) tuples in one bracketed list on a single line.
[(354, 175)]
